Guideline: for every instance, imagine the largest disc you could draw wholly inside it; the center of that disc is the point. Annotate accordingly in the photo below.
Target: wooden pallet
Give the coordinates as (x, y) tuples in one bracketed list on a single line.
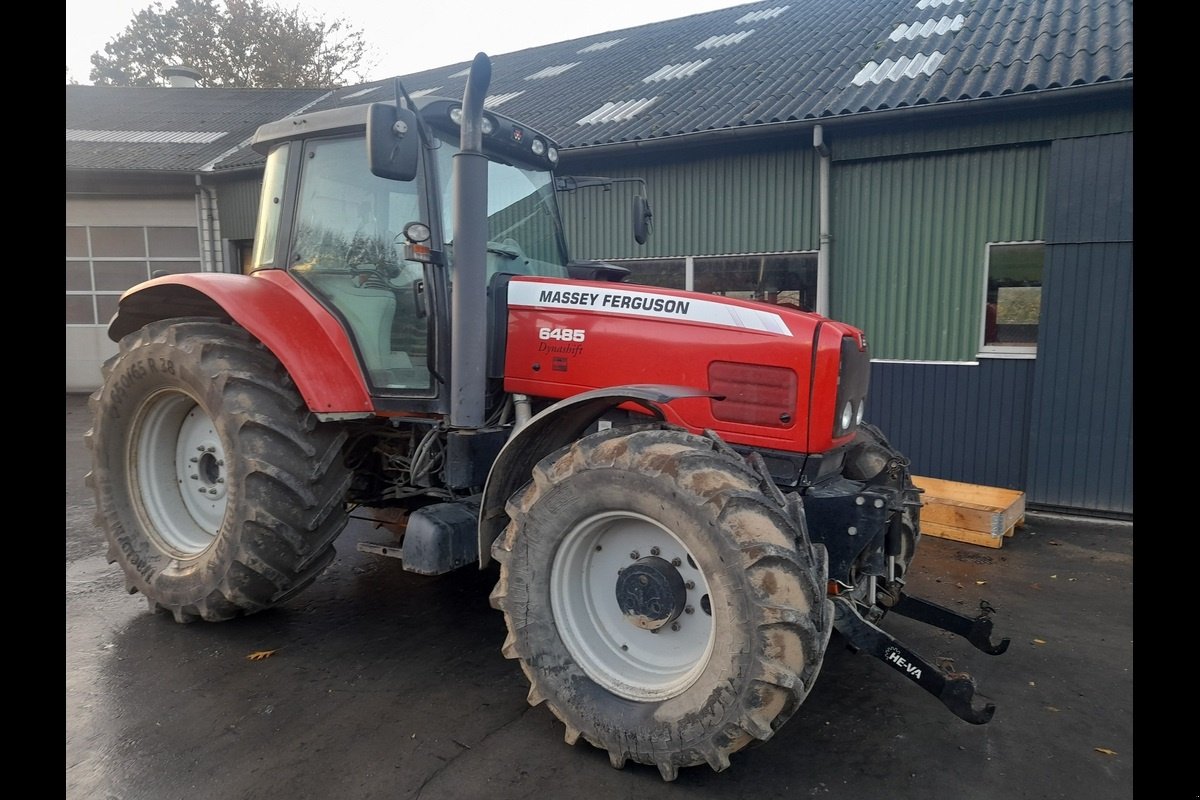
[(966, 512)]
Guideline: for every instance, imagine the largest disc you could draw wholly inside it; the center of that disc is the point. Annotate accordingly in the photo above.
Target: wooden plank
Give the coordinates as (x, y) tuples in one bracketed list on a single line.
[(960, 534), (970, 516), (970, 492), (985, 509)]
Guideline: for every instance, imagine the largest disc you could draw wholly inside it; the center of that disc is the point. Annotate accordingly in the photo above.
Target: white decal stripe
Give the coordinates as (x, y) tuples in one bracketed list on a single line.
[(628, 302)]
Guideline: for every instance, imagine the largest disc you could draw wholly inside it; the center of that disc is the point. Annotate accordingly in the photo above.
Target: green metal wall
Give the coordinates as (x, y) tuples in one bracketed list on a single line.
[(750, 202), (238, 200), (1023, 127), (909, 238)]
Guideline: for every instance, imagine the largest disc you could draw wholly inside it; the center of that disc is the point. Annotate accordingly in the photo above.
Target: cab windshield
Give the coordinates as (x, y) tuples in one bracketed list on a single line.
[(524, 237)]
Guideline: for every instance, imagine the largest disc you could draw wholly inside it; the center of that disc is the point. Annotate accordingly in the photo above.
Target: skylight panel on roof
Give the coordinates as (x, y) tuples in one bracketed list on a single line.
[(616, 112), (550, 72), (935, 3), (724, 40), (930, 27), (362, 92), (423, 92), (905, 67), (493, 100), (146, 137), (758, 16), (673, 71), (591, 48), (462, 73)]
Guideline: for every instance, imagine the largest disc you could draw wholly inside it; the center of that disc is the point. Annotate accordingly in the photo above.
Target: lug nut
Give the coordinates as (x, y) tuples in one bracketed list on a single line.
[(624, 647), (220, 480), (654, 551), (194, 460), (689, 610), (195, 477), (690, 585), (212, 491), (635, 555), (598, 548), (675, 562), (674, 626)]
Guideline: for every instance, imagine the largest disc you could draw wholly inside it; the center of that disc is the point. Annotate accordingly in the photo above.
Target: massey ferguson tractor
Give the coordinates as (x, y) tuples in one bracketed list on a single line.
[(680, 490)]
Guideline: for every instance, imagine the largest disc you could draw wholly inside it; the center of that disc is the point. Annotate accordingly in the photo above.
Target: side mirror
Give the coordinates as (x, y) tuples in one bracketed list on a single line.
[(393, 142), (642, 217)]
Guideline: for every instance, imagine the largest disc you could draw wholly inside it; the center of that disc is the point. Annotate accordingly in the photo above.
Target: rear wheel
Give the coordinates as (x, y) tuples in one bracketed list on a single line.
[(219, 493), (660, 600)]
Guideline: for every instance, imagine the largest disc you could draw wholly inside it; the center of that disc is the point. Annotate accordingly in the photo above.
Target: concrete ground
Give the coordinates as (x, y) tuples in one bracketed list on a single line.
[(386, 684)]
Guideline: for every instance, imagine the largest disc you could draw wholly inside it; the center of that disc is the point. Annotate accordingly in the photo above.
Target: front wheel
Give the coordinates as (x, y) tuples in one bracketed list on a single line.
[(659, 600), (219, 493)]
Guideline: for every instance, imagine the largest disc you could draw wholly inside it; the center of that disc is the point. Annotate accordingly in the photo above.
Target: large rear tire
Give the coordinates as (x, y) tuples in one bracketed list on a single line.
[(660, 599), (219, 492)]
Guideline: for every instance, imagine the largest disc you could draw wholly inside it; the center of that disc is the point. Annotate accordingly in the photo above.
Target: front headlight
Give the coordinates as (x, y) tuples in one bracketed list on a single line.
[(847, 415)]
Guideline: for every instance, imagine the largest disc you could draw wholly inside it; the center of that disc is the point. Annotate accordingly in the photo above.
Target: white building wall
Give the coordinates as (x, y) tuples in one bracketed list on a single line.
[(94, 282)]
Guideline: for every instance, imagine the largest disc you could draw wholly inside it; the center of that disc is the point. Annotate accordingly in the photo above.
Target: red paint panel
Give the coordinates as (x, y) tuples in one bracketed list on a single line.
[(586, 336), (305, 337), (753, 394), (825, 384)]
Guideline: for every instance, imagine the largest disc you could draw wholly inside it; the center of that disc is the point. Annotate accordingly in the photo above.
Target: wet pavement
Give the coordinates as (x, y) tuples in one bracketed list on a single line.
[(386, 684)]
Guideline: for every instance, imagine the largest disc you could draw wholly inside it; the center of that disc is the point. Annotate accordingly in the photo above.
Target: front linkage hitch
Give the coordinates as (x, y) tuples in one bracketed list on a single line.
[(956, 690)]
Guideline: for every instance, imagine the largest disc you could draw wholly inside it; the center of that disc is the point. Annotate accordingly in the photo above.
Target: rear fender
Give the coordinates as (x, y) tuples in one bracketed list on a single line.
[(308, 340), (555, 427)]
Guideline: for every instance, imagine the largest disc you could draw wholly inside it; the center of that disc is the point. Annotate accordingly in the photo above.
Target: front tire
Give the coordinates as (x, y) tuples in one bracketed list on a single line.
[(220, 494), (657, 597)]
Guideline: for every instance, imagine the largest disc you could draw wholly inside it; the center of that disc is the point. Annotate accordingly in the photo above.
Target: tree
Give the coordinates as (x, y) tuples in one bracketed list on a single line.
[(239, 43)]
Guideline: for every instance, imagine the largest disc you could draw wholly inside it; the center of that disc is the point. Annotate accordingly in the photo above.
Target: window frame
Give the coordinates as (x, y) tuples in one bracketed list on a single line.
[(96, 295), (986, 350)]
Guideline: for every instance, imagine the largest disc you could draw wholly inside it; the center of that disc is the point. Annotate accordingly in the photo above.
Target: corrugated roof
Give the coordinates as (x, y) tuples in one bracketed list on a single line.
[(810, 59), (768, 62), (182, 129)]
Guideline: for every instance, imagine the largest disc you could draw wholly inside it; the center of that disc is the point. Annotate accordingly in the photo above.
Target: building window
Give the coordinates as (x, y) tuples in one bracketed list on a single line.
[(787, 279), (1012, 298), (104, 261)]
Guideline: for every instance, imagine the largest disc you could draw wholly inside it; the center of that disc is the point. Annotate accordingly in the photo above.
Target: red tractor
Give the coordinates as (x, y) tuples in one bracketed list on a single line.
[(679, 488)]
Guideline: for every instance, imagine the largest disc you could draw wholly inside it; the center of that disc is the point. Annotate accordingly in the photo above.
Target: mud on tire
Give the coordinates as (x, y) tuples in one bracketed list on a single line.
[(755, 599), (219, 493)]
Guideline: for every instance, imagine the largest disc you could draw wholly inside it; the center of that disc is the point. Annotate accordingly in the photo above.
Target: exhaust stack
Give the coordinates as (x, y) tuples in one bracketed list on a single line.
[(468, 378)]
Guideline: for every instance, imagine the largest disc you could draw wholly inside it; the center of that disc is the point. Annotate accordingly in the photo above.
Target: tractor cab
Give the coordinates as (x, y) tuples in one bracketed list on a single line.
[(357, 207)]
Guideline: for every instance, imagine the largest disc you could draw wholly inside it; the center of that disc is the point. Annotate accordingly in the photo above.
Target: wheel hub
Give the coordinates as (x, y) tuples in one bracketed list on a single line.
[(651, 593)]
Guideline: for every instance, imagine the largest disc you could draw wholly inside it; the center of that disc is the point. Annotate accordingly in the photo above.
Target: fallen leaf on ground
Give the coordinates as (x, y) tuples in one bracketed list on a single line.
[(980, 583), (959, 585), (1051, 708), (1054, 543), (1105, 750), (1039, 641), (1053, 576), (260, 655)]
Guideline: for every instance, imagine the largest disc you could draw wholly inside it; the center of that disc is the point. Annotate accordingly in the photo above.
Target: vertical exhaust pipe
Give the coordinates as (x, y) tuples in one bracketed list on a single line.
[(468, 376)]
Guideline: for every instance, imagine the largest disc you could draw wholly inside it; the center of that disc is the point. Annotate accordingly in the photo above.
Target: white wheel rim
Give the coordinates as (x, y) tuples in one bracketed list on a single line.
[(627, 660), (179, 474)]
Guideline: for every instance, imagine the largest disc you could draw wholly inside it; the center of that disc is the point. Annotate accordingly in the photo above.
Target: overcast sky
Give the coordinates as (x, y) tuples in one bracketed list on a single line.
[(411, 36)]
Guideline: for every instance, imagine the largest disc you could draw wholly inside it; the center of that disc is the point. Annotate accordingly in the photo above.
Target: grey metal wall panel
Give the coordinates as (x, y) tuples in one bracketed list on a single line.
[(1091, 190), (238, 201), (909, 242), (717, 204), (1081, 439), (957, 422)]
